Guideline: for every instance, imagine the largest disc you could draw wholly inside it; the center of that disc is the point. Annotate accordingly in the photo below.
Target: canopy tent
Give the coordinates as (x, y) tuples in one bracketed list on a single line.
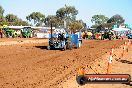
[(120, 29)]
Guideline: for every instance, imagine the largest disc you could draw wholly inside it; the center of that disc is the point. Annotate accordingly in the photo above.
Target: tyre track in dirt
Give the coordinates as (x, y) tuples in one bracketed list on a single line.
[(30, 66), (84, 58)]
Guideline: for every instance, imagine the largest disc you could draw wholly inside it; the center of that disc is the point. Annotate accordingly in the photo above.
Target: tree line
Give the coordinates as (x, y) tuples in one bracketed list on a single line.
[(101, 21), (65, 18), (10, 19)]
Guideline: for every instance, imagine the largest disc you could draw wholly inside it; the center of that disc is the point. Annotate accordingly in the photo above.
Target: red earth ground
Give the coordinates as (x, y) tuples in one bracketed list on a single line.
[(30, 65)]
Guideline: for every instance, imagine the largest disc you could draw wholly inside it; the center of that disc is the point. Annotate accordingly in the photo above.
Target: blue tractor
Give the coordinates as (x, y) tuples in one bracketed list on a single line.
[(64, 41), (57, 41)]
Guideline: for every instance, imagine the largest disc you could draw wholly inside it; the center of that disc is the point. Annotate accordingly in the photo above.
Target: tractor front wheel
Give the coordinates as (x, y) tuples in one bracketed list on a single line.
[(79, 45), (64, 48)]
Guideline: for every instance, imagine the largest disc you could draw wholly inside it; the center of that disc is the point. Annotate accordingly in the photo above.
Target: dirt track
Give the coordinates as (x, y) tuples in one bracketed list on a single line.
[(20, 41), (32, 66)]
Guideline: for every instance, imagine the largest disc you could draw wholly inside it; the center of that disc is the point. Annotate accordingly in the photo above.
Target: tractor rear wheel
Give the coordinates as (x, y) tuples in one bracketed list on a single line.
[(110, 37), (48, 47), (69, 45)]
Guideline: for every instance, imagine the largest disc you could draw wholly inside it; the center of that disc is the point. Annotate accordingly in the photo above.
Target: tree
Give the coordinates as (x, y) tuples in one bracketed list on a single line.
[(36, 17), (108, 25), (117, 19), (2, 18), (11, 18), (67, 12), (99, 19), (53, 19), (105, 25), (1, 11), (75, 26), (25, 23), (4, 22), (20, 22), (1, 15)]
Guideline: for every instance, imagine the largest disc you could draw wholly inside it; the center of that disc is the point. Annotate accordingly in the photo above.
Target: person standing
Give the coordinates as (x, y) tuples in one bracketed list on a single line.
[(1, 33)]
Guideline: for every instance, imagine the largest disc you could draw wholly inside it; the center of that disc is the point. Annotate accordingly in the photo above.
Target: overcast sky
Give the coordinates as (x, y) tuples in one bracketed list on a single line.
[(86, 8)]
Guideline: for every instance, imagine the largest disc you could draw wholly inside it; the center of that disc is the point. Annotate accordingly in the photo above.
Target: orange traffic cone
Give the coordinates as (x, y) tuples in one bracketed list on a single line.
[(81, 71), (129, 42), (112, 50), (122, 54), (127, 46), (125, 43), (109, 68), (124, 49)]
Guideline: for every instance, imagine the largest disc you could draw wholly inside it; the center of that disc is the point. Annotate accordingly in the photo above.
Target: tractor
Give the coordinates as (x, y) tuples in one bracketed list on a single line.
[(26, 32), (9, 32), (57, 41), (64, 40), (60, 41), (107, 35)]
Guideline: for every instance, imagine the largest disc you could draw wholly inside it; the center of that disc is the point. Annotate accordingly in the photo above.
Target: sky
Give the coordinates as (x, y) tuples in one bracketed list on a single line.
[(86, 8)]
